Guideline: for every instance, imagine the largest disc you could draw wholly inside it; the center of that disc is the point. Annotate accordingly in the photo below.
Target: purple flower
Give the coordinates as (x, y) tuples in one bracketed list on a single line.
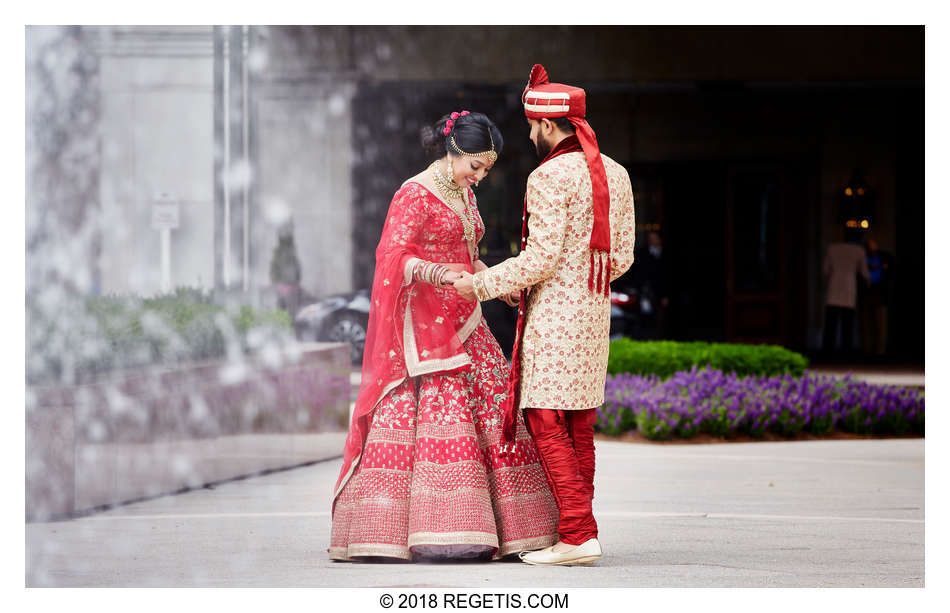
[(688, 399)]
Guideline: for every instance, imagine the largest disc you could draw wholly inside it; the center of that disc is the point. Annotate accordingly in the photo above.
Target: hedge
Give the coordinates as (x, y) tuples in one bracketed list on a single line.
[(664, 358), (77, 338)]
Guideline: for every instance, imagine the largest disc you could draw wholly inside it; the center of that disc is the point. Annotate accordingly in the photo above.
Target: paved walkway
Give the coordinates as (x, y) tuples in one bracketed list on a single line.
[(811, 514), (909, 376)]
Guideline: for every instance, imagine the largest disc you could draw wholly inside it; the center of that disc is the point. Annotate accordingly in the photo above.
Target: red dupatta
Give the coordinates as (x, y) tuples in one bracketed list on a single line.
[(414, 328)]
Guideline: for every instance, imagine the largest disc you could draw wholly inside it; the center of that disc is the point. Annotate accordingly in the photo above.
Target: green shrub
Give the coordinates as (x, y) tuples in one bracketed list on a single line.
[(663, 358), (78, 338)]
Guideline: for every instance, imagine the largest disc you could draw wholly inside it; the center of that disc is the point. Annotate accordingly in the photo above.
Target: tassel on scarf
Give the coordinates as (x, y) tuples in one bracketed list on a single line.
[(511, 404), (600, 272), (599, 269), (509, 425), (590, 276)]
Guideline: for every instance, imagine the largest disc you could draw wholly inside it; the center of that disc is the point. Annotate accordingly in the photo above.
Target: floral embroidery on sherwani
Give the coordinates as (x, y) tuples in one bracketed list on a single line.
[(566, 338)]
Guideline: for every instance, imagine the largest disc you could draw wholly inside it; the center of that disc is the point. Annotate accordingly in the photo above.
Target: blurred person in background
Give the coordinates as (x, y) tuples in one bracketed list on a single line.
[(875, 297), (425, 471), (285, 271), (844, 261), (650, 281)]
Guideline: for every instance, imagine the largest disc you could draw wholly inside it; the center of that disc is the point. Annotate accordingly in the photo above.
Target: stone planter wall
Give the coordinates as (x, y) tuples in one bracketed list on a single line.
[(161, 430)]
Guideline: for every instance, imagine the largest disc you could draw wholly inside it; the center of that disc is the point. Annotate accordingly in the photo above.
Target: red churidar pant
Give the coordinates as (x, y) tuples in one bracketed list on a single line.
[(565, 441)]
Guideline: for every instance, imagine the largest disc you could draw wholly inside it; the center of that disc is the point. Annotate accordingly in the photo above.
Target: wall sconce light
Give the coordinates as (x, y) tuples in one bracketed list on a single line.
[(856, 202)]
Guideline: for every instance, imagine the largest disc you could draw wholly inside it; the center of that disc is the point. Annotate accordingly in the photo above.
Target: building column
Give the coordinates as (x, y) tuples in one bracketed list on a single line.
[(233, 161)]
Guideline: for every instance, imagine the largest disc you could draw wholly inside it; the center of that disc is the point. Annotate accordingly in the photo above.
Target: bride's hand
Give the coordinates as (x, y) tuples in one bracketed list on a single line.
[(449, 279), (453, 274), (512, 299), (464, 287)]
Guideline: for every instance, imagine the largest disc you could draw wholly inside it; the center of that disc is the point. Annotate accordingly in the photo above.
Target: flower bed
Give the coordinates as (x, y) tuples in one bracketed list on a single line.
[(723, 405)]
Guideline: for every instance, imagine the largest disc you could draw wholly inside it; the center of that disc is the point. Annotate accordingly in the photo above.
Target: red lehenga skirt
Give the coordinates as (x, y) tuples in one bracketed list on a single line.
[(434, 479)]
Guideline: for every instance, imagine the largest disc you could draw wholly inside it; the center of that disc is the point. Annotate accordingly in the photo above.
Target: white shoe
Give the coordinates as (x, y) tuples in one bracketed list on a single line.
[(586, 553)]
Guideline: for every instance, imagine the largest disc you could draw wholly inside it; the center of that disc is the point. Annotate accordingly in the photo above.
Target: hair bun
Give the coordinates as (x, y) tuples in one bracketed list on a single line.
[(433, 140)]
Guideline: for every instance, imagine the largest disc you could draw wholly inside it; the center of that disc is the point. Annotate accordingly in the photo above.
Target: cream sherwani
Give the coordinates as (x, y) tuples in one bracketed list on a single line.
[(566, 335)]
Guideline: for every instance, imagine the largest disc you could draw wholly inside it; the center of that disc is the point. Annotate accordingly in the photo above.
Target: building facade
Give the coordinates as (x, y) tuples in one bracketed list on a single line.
[(740, 142)]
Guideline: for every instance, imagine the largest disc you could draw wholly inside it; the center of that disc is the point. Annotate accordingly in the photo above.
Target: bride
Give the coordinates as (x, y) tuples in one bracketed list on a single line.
[(426, 471)]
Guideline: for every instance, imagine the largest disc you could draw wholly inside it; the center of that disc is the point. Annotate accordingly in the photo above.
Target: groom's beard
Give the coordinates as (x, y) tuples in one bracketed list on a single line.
[(543, 148)]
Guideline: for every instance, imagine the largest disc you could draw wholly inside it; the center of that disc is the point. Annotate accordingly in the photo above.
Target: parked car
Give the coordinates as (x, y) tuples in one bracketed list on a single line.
[(341, 318), (624, 314)]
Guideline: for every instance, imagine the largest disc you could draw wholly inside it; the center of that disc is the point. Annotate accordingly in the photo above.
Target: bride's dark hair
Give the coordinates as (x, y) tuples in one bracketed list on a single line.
[(470, 132)]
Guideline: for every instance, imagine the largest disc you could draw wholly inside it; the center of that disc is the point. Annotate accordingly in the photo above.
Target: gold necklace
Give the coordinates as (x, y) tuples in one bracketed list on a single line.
[(451, 193), (447, 188)]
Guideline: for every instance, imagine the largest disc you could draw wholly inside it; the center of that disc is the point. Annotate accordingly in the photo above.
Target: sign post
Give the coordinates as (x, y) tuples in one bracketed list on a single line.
[(165, 216)]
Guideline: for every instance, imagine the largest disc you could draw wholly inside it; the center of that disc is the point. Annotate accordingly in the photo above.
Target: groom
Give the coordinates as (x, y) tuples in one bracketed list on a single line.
[(577, 236)]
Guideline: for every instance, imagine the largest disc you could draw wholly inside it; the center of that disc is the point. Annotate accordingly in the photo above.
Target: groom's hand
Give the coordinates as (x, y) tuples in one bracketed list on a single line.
[(465, 287)]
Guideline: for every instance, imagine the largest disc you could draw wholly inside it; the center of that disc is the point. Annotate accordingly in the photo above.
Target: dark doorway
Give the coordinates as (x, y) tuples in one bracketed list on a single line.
[(765, 254), (685, 203), (733, 238)]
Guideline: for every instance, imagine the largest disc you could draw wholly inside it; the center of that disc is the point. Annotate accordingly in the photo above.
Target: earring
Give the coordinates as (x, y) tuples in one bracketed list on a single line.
[(451, 172)]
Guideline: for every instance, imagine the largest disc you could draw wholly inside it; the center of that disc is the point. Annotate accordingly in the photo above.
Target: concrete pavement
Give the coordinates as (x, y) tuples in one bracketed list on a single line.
[(879, 374), (785, 514)]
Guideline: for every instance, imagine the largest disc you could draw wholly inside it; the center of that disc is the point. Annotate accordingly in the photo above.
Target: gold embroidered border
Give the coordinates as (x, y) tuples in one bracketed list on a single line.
[(473, 320), (460, 429), (429, 538), (391, 435), (453, 538), (478, 285), (453, 463), (379, 469), (407, 271), (538, 542), (370, 549), (416, 367), (447, 437)]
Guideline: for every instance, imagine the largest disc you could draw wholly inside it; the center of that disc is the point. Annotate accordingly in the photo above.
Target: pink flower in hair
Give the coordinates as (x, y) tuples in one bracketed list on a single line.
[(454, 115), (446, 130), (464, 112)]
